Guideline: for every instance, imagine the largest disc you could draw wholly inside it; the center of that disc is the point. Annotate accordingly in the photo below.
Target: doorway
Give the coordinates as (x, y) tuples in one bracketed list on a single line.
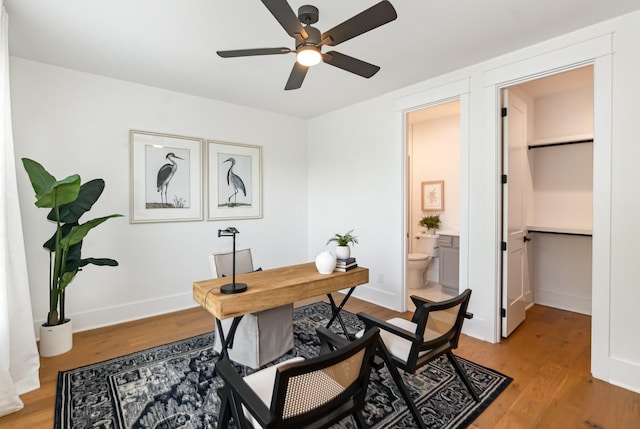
[(434, 160), (547, 195)]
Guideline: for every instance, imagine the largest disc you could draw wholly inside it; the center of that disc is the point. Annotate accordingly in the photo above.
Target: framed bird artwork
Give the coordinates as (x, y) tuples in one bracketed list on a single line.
[(166, 177), (234, 181)]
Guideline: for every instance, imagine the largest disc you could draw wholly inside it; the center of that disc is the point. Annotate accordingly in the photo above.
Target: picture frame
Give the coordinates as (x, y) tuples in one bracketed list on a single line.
[(432, 195), (234, 181), (177, 158)]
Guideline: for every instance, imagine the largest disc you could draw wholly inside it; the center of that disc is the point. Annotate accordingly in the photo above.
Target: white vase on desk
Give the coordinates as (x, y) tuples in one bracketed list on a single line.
[(325, 262)]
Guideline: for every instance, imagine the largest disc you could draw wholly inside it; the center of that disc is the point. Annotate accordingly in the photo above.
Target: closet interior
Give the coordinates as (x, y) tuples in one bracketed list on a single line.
[(560, 189)]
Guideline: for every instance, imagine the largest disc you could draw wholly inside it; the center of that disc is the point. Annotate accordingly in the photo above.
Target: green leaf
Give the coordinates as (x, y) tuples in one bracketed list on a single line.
[(87, 196), (62, 192), (41, 180), (50, 244), (67, 277), (49, 192), (94, 261), (78, 233)]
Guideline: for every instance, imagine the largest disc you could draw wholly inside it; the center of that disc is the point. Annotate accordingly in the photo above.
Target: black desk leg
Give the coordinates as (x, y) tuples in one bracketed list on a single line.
[(335, 310), (227, 342)]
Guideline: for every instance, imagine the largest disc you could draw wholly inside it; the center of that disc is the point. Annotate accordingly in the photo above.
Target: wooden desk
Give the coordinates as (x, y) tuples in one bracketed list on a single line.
[(273, 288)]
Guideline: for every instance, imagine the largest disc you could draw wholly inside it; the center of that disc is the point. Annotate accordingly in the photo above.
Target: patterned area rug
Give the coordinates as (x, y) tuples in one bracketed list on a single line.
[(173, 386)]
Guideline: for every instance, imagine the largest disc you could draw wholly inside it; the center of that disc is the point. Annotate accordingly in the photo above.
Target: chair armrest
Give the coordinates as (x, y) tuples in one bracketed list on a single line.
[(418, 301), (243, 392), (329, 340), (371, 321)]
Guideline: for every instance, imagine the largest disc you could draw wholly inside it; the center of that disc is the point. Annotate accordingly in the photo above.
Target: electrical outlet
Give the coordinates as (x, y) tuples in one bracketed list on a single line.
[(381, 278)]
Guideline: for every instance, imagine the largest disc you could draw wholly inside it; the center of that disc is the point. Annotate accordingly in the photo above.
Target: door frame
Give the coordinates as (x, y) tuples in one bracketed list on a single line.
[(597, 52), (458, 90)]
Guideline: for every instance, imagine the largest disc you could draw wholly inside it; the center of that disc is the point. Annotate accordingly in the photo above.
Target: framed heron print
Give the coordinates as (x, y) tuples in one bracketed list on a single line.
[(234, 180), (166, 177)]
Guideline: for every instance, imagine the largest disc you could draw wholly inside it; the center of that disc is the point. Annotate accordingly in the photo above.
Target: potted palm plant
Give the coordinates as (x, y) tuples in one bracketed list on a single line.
[(68, 200), (343, 250)]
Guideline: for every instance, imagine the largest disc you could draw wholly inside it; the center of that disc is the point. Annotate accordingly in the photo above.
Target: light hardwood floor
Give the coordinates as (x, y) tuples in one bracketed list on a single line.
[(548, 358)]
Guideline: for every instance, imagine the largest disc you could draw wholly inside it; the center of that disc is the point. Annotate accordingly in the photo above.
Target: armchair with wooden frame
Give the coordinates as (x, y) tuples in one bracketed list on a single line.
[(433, 331), (297, 394)]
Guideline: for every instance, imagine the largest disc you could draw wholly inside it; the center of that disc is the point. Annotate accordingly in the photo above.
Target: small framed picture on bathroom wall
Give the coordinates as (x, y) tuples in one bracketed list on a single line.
[(433, 195)]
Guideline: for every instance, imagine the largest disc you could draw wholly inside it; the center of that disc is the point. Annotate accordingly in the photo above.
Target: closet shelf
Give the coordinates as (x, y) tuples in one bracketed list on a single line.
[(536, 146), (560, 230), (561, 141)]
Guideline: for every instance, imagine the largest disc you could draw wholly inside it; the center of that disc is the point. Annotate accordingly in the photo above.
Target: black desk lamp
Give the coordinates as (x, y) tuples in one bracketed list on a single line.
[(232, 287)]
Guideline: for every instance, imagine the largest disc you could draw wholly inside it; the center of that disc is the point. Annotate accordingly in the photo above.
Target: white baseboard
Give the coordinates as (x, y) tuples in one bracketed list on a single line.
[(379, 297), (125, 313), (575, 303), (624, 374)]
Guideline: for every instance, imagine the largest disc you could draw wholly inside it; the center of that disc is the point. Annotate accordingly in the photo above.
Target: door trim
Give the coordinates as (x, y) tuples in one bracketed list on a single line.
[(598, 52), (458, 90)]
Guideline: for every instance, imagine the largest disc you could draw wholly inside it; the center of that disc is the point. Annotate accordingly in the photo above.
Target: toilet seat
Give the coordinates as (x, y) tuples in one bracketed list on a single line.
[(418, 256)]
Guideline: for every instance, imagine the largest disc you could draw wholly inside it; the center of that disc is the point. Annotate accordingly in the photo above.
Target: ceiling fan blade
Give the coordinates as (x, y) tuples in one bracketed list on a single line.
[(251, 52), (369, 19), (350, 64), (282, 12), (296, 77)]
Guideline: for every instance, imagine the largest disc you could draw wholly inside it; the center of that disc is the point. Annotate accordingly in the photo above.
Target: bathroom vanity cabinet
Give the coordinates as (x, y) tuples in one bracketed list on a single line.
[(449, 255)]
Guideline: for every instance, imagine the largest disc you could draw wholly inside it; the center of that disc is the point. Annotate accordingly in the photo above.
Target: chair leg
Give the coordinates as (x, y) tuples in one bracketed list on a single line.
[(360, 422), (463, 376), (397, 378), (224, 415)]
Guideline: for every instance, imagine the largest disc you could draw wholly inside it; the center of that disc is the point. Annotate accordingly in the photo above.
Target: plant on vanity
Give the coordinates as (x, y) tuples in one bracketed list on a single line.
[(431, 222), (68, 201), (343, 251)]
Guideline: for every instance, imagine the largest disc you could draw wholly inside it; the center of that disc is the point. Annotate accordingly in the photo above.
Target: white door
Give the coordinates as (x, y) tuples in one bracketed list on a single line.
[(514, 227)]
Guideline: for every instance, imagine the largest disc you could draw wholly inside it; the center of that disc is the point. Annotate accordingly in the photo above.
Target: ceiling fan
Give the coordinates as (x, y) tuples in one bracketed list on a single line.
[(309, 40)]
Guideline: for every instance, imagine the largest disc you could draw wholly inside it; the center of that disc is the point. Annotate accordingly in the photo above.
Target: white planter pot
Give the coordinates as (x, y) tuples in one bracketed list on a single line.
[(55, 340), (325, 262), (343, 252)]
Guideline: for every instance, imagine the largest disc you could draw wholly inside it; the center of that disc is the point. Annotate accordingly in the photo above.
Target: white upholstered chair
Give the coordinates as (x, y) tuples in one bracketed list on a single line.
[(260, 337)]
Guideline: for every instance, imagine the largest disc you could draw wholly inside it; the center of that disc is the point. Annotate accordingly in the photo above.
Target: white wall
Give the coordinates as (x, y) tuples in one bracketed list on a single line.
[(561, 271), (74, 122), (369, 139), (351, 176), (436, 156)]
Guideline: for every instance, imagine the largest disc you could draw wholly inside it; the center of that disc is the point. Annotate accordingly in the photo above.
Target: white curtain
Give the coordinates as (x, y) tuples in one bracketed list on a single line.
[(19, 360)]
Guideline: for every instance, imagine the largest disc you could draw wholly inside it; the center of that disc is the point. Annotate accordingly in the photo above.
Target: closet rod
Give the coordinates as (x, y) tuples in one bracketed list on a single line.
[(561, 233), (560, 143)]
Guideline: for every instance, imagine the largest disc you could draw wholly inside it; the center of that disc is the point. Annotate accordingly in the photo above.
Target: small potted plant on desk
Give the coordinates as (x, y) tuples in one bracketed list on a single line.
[(68, 200), (343, 250)]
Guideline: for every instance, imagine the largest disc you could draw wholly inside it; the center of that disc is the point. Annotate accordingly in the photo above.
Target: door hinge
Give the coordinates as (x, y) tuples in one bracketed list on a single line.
[(504, 179), (503, 312), (503, 245), (503, 112)]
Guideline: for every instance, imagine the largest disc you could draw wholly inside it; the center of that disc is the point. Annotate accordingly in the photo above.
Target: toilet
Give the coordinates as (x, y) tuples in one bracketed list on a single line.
[(425, 250)]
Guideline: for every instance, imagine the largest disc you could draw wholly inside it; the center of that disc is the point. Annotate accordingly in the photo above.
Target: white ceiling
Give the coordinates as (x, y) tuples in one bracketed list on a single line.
[(171, 43)]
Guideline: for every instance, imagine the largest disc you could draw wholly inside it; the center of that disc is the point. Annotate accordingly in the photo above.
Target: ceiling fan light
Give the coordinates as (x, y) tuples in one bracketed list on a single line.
[(308, 56)]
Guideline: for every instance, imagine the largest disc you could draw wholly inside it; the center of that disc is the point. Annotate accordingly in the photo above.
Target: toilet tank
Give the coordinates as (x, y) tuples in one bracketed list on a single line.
[(427, 244)]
